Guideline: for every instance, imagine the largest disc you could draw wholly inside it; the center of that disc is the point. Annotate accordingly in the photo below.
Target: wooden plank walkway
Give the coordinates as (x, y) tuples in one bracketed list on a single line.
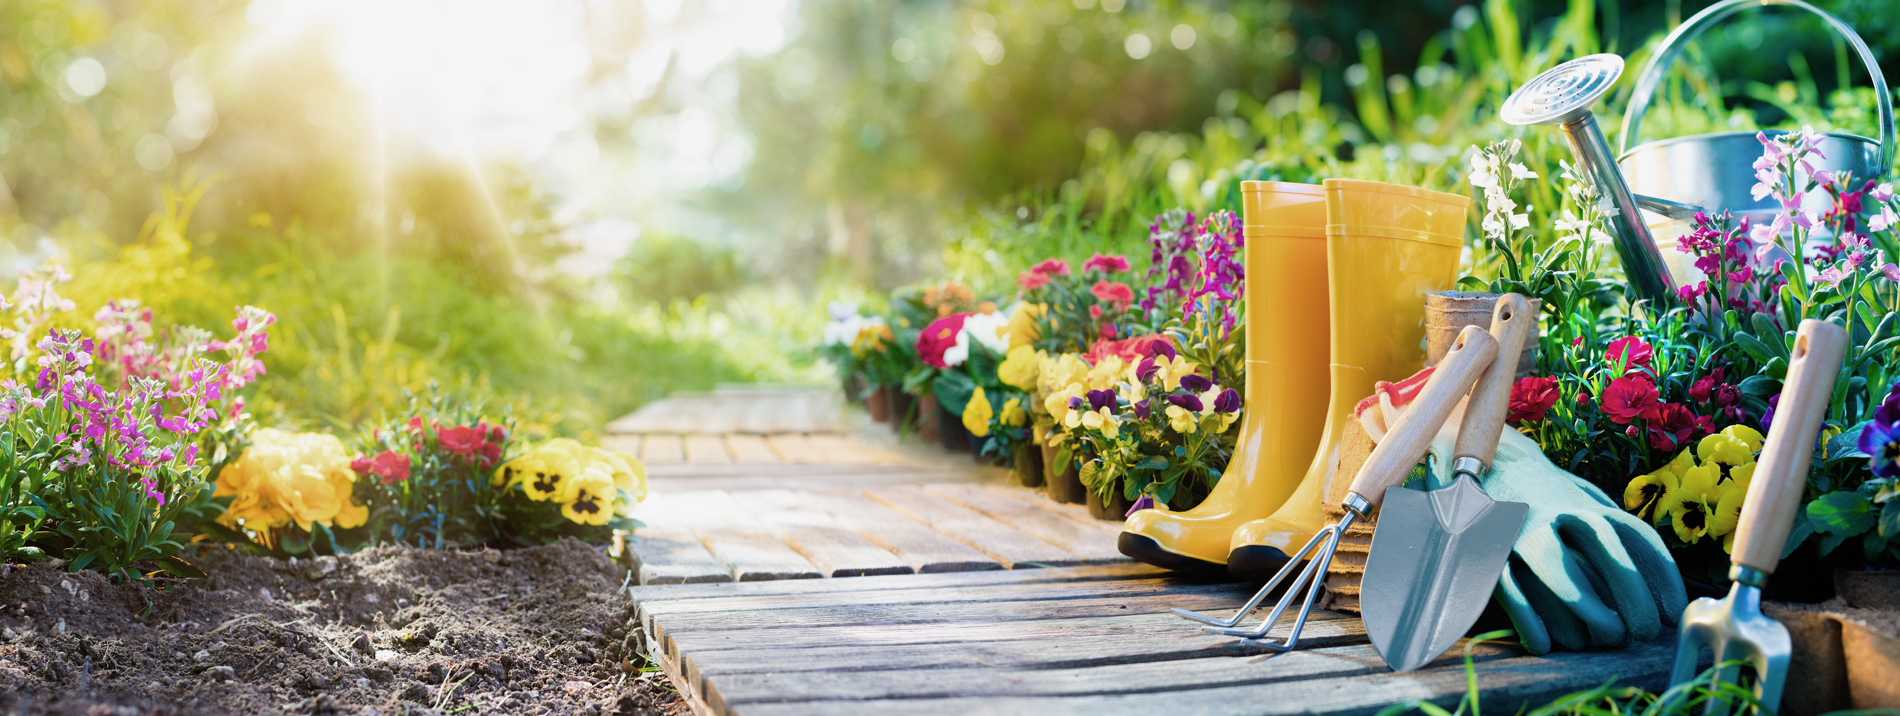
[(1094, 640)]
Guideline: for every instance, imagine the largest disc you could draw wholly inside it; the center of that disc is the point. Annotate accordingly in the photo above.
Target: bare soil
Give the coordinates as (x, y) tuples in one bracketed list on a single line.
[(392, 630)]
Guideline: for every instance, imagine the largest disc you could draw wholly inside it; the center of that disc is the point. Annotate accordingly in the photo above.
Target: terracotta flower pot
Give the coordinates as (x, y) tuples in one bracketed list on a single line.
[(928, 418), (1116, 509), (901, 405), (1028, 466), (877, 402), (1448, 312)]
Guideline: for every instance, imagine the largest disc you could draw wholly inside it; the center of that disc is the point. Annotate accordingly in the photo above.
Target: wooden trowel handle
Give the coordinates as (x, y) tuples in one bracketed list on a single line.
[(1478, 435), (1395, 456), (1782, 471)]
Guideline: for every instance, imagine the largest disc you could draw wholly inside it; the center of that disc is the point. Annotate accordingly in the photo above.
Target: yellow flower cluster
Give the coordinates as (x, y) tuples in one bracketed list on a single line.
[(1700, 499), (592, 484), (873, 338), (285, 479)]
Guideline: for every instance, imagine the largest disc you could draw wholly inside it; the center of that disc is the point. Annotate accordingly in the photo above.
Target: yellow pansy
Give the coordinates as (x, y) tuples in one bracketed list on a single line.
[(285, 479), (544, 471), (1728, 514), (1103, 375), (1020, 367), (630, 477), (1101, 420), (1170, 372), (1013, 414), (1725, 449), (1746, 434), (1057, 404), (587, 497), (1022, 326), (1693, 507), (1645, 491), (977, 414), (1182, 420)]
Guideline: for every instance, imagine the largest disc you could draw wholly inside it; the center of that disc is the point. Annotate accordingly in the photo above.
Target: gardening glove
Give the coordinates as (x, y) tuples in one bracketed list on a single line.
[(1583, 573)]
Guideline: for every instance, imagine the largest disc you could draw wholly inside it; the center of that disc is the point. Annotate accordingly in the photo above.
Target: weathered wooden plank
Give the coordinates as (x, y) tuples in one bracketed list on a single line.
[(707, 450), (629, 444), (1004, 592), (1038, 500), (667, 552), (839, 450), (764, 478), (661, 449), (1120, 642), (800, 618), (724, 691), (796, 449), (1103, 572), (1507, 685), (737, 539), (750, 450), (1090, 541), (1000, 541), (924, 549), (834, 550)]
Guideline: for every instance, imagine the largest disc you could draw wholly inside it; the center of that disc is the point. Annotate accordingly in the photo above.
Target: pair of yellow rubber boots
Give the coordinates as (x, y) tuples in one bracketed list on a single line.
[(1336, 283)]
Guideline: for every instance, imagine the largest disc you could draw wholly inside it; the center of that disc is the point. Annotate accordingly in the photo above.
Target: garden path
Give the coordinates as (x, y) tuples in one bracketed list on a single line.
[(754, 483), (945, 616)]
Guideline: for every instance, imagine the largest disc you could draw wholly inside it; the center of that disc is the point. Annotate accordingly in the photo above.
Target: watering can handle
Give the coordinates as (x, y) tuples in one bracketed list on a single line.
[(1647, 82)]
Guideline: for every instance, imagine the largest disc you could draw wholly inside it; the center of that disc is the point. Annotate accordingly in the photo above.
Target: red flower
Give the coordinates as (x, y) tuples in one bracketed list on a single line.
[(496, 433), (1050, 268), (1632, 351), (1727, 395), (1131, 350), (1671, 426), (1700, 391), (1116, 292), (1095, 312), (1629, 397), (463, 440), (361, 465), (416, 424), (490, 454), (1531, 398), (1030, 280), (938, 337), (1106, 264), (391, 467)]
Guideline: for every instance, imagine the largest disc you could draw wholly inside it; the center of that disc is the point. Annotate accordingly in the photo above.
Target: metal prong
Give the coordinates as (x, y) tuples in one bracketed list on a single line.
[(1309, 581), (1280, 576)]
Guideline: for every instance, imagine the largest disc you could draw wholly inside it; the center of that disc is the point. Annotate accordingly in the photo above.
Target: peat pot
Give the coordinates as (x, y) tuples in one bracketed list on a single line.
[(1027, 464), (1116, 509), (928, 418), (901, 407), (1448, 312), (1064, 480), (950, 431)]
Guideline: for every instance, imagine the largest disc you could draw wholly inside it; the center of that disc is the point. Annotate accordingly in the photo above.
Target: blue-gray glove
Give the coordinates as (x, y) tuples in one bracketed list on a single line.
[(1583, 573)]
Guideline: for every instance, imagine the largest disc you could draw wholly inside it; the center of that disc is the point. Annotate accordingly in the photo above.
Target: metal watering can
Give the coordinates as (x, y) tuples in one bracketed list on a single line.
[(1714, 170), (1675, 178)]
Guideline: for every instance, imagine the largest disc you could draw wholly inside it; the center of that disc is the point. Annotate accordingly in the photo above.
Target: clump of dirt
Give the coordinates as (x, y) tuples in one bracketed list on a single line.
[(392, 630)]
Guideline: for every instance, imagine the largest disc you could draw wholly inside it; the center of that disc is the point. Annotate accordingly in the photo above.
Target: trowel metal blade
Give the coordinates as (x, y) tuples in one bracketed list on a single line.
[(1435, 560)]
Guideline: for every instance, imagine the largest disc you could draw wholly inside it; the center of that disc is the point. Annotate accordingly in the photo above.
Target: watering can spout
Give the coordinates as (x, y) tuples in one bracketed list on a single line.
[(1563, 96)]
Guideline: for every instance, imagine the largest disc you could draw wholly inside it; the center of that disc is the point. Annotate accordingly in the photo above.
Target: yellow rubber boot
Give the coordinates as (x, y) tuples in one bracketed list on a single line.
[(1386, 247), (1285, 227)]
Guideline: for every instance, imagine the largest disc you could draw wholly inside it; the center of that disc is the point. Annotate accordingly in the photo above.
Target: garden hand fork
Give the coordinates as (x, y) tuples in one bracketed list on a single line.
[(1388, 465), (1734, 628)]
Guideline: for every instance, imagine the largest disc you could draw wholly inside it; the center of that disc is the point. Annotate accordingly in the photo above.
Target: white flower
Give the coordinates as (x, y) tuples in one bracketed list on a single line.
[(1570, 224), (1493, 226), (1519, 172), (988, 329), (1882, 220), (1519, 221), (1882, 193)]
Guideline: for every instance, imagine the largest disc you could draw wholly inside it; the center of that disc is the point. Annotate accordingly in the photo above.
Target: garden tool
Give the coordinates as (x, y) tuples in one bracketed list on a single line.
[(1285, 227), (1437, 555), (1386, 247), (1562, 96), (1389, 463), (1715, 170), (1734, 628)]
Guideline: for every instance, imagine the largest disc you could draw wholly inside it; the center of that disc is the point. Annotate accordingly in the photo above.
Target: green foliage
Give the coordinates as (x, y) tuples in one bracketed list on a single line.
[(664, 269)]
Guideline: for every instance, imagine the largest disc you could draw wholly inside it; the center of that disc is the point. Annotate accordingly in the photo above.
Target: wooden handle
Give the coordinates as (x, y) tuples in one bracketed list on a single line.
[(1782, 471), (1478, 435), (1401, 448)]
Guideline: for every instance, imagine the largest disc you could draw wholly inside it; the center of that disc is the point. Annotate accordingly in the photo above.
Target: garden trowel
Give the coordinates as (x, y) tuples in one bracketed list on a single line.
[(1734, 627), (1437, 556)]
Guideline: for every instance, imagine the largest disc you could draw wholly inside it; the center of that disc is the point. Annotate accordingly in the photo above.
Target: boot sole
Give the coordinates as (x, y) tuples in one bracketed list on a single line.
[(1143, 548), (1253, 563)]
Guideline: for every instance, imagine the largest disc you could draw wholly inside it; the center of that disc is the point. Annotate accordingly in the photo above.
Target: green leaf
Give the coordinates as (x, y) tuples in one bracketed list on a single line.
[(1754, 347), (1802, 530), (1154, 462), (178, 566), (953, 390), (1890, 519), (1847, 444), (1760, 386), (1842, 513)]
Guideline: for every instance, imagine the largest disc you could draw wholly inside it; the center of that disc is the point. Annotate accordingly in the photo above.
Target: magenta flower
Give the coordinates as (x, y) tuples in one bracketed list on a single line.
[(1106, 264)]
